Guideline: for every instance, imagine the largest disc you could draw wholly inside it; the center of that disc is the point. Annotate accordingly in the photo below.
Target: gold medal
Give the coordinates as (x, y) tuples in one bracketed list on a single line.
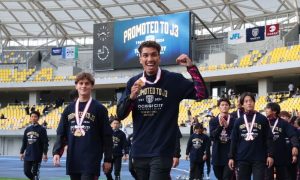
[(77, 133)]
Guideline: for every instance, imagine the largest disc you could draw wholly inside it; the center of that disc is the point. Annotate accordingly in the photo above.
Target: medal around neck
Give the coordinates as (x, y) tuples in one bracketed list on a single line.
[(79, 127), (77, 133), (249, 135)]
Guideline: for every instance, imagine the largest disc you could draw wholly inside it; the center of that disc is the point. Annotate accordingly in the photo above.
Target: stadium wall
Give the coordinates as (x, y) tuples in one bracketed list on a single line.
[(11, 141), (221, 58)]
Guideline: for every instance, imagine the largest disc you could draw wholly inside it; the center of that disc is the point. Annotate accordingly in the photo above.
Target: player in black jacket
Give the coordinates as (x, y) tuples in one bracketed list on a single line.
[(220, 131), (153, 97), (196, 151), (120, 150), (251, 147), (281, 130), (35, 145)]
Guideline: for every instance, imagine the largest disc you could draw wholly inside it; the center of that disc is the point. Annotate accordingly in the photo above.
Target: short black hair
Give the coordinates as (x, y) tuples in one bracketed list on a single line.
[(274, 107), (198, 126), (242, 98), (151, 44), (223, 100), (36, 113), (115, 119)]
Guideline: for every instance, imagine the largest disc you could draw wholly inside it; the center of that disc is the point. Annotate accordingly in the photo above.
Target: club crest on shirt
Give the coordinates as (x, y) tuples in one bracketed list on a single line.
[(197, 143), (32, 137), (149, 99), (116, 141), (224, 138), (276, 133)]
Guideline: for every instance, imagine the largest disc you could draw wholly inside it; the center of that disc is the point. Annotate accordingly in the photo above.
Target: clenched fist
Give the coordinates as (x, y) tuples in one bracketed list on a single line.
[(184, 60)]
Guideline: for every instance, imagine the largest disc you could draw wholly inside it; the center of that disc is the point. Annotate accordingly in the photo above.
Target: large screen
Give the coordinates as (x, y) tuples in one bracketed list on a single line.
[(171, 31)]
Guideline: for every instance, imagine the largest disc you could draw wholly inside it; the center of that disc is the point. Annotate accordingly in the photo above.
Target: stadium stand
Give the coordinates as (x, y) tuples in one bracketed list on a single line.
[(255, 57), (16, 117), (15, 57), (14, 75), (282, 54), (53, 117), (45, 74)]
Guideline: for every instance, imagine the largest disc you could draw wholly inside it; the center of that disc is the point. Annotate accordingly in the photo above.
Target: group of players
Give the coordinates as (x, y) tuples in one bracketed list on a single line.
[(245, 143)]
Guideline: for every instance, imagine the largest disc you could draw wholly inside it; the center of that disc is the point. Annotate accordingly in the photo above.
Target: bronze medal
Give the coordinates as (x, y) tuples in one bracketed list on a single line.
[(77, 133)]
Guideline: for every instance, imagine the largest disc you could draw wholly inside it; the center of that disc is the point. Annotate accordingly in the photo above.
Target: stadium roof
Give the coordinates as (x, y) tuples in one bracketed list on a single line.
[(61, 20)]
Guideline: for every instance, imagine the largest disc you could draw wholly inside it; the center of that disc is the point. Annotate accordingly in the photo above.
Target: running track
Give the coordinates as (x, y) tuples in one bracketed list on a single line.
[(12, 167)]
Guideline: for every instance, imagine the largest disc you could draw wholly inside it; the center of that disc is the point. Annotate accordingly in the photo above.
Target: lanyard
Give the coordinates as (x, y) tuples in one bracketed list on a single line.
[(143, 78), (80, 120), (249, 136)]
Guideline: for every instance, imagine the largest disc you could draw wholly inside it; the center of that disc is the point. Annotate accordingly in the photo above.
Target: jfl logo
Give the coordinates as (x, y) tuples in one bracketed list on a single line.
[(235, 36)]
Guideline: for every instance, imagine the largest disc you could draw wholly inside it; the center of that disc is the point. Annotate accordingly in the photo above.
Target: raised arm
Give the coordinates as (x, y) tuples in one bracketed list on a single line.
[(200, 90)]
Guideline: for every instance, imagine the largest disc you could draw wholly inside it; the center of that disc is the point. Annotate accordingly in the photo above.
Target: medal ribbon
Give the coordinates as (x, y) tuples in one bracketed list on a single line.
[(275, 124), (143, 78), (249, 128), (80, 120)]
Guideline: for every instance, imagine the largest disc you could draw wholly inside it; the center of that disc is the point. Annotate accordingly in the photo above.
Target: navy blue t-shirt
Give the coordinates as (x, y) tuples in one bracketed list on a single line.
[(155, 112), (257, 149), (282, 131), (221, 141), (197, 146), (84, 153), (35, 142)]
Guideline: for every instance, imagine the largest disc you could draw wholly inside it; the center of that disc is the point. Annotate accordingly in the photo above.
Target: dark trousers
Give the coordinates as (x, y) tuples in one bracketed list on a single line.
[(281, 173), (32, 169), (116, 164), (223, 173), (83, 177), (292, 170), (245, 169), (196, 170), (153, 168), (131, 168)]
